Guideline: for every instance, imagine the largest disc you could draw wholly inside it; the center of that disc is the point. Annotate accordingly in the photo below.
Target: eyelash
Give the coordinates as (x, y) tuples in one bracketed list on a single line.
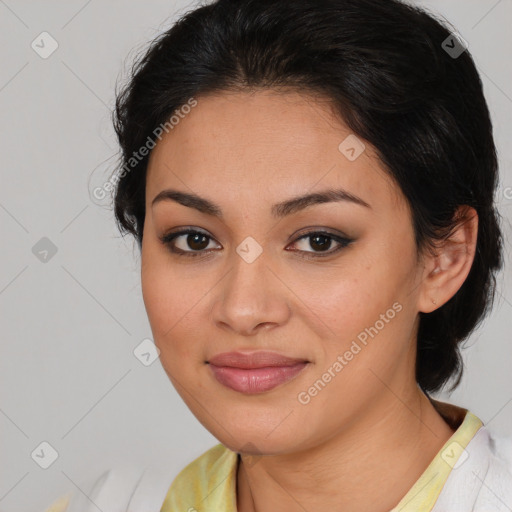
[(168, 238)]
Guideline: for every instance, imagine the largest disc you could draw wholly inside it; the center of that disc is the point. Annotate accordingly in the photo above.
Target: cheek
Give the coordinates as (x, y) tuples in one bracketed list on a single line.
[(359, 305), (350, 297), (171, 304)]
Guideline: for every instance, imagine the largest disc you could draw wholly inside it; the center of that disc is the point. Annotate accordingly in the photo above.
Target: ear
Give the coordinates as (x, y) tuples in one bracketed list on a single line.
[(447, 268)]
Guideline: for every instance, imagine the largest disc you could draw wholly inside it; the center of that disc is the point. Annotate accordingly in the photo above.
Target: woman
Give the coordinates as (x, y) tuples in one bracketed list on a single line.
[(311, 187)]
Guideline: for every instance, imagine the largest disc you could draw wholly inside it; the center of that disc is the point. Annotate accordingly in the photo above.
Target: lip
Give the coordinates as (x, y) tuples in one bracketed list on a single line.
[(254, 372), (249, 360)]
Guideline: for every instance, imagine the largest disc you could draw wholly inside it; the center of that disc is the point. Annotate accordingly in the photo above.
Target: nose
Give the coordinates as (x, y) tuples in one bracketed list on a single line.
[(251, 298)]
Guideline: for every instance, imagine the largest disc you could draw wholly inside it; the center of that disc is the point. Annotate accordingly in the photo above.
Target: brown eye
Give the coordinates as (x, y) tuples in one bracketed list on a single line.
[(197, 241), (321, 242), (193, 242)]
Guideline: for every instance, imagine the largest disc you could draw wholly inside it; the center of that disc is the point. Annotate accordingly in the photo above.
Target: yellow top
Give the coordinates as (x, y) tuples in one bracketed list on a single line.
[(61, 505), (209, 482)]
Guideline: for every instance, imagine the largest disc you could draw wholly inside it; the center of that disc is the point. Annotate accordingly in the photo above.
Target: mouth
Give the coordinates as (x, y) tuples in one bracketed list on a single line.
[(257, 372)]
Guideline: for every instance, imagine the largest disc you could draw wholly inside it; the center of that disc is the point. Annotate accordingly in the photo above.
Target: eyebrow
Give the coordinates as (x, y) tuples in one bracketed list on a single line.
[(278, 210)]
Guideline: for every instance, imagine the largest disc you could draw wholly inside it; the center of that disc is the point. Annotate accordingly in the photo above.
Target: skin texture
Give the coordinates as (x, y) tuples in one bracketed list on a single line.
[(362, 441)]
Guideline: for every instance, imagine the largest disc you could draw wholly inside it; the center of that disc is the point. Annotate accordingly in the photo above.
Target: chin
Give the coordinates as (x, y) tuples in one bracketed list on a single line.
[(250, 440)]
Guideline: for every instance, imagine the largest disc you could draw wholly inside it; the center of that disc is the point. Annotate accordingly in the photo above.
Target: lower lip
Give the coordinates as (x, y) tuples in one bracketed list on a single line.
[(255, 380)]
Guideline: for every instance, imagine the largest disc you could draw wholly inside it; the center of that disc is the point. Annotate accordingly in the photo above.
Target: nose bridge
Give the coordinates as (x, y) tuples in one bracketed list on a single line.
[(249, 269), (247, 283), (250, 295)]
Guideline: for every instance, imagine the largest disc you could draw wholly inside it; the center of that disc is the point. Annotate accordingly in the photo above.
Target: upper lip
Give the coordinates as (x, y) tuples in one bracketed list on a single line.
[(248, 360)]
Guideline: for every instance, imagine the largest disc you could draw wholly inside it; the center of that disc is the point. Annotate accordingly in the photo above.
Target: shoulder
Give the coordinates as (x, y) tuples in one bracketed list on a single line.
[(495, 492), (501, 449), (215, 470), (482, 481), (203, 464), (117, 488)]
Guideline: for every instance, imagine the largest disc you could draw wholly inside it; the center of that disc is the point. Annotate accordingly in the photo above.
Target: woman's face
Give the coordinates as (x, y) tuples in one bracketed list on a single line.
[(251, 281)]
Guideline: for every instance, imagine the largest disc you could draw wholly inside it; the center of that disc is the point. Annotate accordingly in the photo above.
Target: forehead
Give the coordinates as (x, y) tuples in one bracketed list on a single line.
[(285, 143)]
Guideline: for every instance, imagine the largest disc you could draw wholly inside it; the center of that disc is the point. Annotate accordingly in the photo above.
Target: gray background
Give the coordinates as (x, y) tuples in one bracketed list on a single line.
[(69, 325)]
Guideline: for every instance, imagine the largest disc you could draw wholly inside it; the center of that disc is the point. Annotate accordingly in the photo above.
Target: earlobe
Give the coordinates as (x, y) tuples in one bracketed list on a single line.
[(448, 266)]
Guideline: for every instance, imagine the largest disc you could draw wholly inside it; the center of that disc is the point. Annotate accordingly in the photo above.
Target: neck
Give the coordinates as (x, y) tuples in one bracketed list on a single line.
[(374, 461)]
